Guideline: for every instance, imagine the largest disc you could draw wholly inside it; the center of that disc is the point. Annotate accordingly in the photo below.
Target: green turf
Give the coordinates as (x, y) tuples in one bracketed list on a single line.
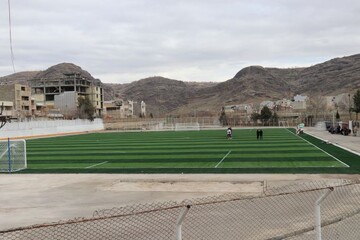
[(281, 151)]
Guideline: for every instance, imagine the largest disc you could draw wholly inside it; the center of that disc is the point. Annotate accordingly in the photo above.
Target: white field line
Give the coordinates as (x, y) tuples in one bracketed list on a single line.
[(96, 164), (335, 144), (222, 159), (320, 149), (5, 152)]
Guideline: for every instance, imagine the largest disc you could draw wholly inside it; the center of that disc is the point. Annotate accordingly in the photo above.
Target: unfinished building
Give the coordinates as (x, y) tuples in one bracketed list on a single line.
[(44, 90)]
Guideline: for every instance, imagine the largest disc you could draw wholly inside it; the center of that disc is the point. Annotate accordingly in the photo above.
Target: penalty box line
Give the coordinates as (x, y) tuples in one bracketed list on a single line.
[(222, 159), (320, 149)]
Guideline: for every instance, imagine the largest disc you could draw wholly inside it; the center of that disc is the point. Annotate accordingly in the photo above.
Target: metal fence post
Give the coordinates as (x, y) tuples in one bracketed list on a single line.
[(9, 155), (318, 214), (179, 222)]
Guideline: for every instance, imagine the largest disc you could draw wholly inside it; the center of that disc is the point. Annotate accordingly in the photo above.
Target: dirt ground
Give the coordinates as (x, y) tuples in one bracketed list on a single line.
[(28, 199)]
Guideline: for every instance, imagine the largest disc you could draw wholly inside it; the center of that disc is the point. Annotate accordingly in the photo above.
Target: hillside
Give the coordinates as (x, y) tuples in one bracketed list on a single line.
[(251, 84), (331, 77), (20, 77), (58, 71), (256, 83), (161, 95)]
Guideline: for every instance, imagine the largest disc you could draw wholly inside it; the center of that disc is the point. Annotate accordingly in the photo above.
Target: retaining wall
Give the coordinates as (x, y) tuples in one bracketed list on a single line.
[(49, 127)]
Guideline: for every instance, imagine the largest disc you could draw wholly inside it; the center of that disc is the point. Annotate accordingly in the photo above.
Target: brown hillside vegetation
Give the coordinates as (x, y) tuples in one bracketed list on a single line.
[(251, 84), (20, 77)]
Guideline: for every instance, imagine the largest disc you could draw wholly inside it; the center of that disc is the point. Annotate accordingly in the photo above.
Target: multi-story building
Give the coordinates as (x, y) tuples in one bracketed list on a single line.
[(20, 96), (44, 90), (96, 97), (124, 108), (239, 108), (299, 102), (6, 108), (269, 104), (128, 108)]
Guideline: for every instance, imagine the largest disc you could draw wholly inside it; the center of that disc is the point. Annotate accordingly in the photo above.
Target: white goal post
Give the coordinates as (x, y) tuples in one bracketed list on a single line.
[(283, 124), (12, 155), (187, 126)]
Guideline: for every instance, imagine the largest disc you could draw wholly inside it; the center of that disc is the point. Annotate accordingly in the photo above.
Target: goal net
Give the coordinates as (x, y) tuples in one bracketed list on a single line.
[(12, 155), (187, 126), (283, 124)]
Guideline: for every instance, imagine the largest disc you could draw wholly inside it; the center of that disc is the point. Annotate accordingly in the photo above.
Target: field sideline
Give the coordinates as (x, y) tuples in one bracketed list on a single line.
[(281, 151)]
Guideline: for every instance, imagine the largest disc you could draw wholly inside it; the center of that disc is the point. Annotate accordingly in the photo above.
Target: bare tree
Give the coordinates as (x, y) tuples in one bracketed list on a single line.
[(316, 106)]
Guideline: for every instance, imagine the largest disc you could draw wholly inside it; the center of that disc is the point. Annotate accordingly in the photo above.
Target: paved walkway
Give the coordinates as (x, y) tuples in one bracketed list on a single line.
[(349, 142)]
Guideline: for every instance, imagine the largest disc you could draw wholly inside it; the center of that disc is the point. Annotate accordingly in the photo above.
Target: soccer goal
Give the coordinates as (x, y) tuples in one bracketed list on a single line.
[(187, 126), (283, 124), (12, 155)]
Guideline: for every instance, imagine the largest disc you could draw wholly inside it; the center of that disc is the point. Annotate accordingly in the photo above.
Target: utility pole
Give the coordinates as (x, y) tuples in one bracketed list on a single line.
[(349, 108)]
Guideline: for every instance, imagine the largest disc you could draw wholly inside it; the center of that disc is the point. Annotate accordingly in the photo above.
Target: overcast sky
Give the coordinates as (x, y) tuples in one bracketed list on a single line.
[(190, 40)]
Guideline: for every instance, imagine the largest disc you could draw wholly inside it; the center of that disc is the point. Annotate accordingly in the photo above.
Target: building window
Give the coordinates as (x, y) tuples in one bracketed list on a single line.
[(23, 89)]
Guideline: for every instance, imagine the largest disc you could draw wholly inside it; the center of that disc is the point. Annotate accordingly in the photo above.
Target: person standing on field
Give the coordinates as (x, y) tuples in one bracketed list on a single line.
[(229, 133)]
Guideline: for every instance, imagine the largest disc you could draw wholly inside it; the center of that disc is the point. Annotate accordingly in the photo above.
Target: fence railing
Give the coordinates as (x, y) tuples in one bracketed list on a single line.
[(170, 123), (289, 212)]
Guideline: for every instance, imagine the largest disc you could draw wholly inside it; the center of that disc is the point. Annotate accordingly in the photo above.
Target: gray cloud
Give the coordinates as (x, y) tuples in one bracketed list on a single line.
[(192, 40)]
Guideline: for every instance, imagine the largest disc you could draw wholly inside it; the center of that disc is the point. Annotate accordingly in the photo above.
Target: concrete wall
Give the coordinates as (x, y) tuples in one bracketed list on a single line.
[(66, 102), (49, 127), (7, 93)]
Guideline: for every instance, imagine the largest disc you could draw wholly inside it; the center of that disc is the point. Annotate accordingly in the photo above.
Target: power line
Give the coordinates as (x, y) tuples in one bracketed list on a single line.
[(11, 45)]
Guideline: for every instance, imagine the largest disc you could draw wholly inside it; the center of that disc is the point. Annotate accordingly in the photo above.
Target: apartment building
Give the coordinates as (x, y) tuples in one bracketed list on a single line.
[(20, 96), (124, 108)]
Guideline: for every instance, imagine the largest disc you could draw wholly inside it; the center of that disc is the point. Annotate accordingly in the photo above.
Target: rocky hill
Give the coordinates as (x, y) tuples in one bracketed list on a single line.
[(251, 84), (20, 77), (256, 83), (332, 77), (162, 95), (58, 71)]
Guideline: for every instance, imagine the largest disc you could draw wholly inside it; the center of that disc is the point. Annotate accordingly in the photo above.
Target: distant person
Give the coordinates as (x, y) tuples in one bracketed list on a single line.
[(229, 133), (261, 134), (355, 130), (338, 129), (257, 134), (299, 131)]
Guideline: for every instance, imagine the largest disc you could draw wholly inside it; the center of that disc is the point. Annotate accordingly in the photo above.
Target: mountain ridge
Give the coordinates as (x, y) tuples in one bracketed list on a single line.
[(251, 84)]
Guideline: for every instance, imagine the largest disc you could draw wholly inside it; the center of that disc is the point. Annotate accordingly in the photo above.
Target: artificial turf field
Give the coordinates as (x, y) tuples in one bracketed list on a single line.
[(206, 151)]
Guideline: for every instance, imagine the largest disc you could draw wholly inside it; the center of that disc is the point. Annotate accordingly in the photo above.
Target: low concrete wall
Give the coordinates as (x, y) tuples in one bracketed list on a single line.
[(49, 127)]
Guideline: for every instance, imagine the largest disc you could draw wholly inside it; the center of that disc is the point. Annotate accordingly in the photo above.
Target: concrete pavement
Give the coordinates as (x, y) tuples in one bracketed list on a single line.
[(349, 142)]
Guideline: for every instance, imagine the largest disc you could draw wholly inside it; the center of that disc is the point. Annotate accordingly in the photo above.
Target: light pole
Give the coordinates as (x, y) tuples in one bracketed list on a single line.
[(349, 107), (333, 114)]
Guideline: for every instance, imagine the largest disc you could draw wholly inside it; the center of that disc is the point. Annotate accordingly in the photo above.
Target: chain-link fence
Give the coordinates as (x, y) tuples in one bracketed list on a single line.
[(279, 213)]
